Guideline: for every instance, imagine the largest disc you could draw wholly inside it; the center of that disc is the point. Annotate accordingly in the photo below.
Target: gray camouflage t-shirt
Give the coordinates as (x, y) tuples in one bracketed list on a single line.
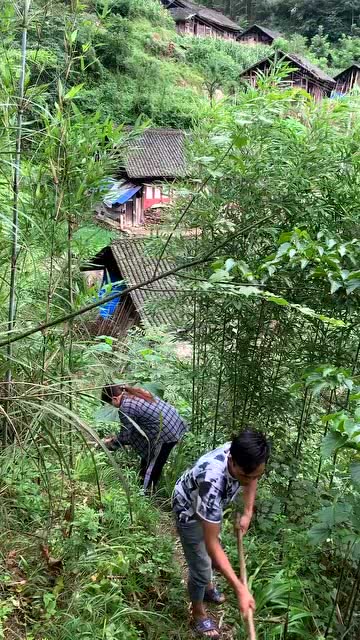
[(207, 488)]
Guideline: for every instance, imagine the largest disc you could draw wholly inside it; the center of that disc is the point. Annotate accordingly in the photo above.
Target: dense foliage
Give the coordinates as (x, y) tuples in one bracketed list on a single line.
[(272, 315), (337, 17)]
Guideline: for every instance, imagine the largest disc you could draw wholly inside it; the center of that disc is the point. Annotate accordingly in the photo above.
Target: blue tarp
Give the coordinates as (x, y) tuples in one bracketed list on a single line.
[(120, 193), (108, 309)]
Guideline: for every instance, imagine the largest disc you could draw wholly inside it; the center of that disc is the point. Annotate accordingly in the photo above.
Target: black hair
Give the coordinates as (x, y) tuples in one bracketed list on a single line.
[(250, 449), (110, 391)]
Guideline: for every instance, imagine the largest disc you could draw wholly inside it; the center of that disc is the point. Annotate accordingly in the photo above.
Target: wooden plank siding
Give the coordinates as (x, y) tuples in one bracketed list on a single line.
[(348, 79), (196, 27), (304, 74)]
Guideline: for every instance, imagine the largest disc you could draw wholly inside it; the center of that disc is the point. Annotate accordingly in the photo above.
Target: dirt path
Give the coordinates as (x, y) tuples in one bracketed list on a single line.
[(217, 612)]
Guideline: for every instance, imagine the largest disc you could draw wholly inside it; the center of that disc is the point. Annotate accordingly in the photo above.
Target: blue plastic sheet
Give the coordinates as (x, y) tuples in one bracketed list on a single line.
[(108, 309)]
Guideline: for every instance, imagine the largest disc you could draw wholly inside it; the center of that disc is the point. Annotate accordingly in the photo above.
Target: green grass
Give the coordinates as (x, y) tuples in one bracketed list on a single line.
[(107, 577)]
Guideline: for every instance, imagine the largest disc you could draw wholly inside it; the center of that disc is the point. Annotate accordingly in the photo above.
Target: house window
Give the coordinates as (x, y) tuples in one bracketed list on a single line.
[(157, 193)]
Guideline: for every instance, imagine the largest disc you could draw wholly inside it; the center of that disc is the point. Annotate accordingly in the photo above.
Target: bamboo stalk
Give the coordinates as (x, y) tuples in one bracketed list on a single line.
[(243, 576), (194, 371), (15, 218), (70, 354), (352, 600), (235, 385), (338, 591), (221, 358), (252, 359)]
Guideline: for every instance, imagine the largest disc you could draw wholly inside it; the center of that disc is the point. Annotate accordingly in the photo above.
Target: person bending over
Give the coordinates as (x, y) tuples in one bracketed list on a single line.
[(150, 426)]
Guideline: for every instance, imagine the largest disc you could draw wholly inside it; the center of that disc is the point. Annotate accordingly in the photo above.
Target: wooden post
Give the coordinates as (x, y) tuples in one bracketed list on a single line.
[(243, 576)]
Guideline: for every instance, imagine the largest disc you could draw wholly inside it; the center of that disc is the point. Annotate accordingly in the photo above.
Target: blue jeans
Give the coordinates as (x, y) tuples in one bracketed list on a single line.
[(197, 558)]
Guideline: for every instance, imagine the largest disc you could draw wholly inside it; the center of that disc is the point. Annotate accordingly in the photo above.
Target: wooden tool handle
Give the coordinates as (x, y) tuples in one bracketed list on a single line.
[(243, 576)]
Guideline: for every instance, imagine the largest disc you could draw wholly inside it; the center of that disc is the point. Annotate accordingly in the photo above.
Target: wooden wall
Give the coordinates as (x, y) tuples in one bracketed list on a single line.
[(296, 79), (348, 81), (253, 39), (196, 27)]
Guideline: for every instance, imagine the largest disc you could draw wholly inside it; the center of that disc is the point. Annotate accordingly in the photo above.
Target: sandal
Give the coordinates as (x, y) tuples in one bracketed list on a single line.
[(214, 595), (201, 628)]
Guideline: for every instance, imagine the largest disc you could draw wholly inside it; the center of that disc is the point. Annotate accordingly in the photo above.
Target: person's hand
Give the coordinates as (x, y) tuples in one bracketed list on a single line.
[(246, 601), (243, 522)]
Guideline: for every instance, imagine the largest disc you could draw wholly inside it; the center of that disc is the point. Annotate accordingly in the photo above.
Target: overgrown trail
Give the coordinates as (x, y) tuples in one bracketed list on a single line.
[(216, 612)]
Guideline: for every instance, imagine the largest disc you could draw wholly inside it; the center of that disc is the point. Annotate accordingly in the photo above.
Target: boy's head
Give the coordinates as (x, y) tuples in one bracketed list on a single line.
[(249, 453)]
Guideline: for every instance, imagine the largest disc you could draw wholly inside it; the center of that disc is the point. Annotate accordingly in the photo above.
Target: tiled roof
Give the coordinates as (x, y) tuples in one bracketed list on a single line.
[(156, 153), (180, 14), (309, 66), (256, 27), (299, 61), (210, 15), (137, 266)]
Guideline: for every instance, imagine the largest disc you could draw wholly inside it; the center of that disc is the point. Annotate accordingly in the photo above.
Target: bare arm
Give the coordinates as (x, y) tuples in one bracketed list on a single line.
[(126, 430), (217, 554), (249, 495)]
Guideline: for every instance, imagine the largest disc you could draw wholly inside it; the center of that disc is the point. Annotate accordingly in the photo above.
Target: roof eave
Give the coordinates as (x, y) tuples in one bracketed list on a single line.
[(267, 32), (287, 57), (347, 70), (230, 27), (157, 177)]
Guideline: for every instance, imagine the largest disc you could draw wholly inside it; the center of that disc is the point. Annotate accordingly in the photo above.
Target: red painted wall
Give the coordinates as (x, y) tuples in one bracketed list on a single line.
[(149, 202)]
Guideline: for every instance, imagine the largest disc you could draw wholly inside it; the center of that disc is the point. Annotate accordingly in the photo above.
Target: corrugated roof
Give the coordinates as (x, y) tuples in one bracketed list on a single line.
[(120, 192), (210, 15), (299, 61), (269, 32), (156, 153), (137, 266), (349, 69)]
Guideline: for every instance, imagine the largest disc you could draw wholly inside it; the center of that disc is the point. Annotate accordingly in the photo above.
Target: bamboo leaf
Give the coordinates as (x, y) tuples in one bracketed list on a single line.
[(283, 249), (278, 300), (229, 264), (355, 471), (335, 285), (332, 441), (107, 413), (73, 92), (221, 275)]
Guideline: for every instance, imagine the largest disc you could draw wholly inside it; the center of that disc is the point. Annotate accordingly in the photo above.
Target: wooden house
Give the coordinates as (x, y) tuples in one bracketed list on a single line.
[(154, 161), (348, 79), (197, 20), (257, 34), (126, 263), (302, 74)]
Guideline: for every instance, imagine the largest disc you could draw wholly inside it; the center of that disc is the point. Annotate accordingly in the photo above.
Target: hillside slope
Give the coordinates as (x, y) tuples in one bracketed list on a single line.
[(131, 60)]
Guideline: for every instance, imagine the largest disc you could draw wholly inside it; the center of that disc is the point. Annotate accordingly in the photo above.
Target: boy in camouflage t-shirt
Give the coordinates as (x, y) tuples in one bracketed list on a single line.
[(199, 499)]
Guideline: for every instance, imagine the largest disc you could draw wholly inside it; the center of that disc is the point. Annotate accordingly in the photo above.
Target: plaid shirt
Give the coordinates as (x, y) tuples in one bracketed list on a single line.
[(159, 421)]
